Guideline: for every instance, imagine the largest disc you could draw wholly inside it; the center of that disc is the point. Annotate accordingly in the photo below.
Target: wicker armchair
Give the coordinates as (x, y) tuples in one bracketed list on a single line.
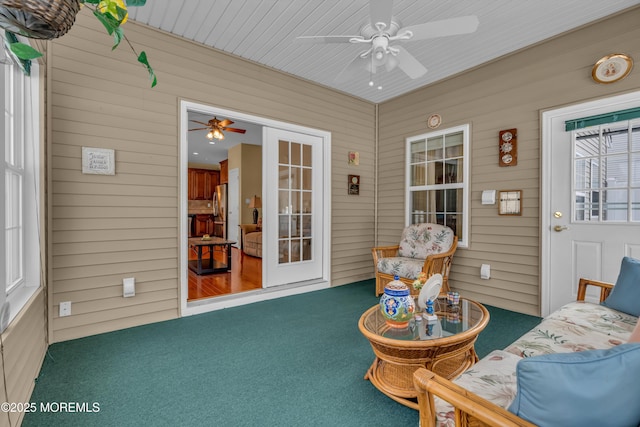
[(427, 248)]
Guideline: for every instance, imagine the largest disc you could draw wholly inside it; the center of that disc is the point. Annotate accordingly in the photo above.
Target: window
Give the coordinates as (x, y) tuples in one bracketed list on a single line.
[(437, 174), (20, 206), (606, 170)]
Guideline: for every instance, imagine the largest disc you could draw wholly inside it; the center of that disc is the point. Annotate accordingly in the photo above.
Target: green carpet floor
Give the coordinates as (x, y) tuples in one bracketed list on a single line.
[(294, 361)]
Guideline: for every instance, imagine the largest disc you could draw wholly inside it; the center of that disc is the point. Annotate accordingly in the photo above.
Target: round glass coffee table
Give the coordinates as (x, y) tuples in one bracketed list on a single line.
[(444, 346)]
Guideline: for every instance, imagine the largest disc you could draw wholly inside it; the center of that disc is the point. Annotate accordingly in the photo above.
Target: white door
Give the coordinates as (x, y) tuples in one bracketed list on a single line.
[(233, 206), (293, 207), (592, 218)]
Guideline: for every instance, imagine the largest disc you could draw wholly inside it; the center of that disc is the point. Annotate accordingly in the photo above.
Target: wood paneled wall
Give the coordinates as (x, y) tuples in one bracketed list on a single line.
[(507, 93), (106, 228)]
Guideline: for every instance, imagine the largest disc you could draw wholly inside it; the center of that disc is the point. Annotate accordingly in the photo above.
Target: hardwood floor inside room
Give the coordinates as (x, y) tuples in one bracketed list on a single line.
[(245, 275)]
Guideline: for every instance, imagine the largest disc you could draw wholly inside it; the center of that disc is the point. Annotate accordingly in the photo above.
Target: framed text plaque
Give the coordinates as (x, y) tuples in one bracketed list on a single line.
[(100, 161)]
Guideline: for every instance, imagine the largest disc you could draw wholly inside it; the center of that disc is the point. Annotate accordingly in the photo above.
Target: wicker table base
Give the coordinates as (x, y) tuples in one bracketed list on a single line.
[(400, 352)]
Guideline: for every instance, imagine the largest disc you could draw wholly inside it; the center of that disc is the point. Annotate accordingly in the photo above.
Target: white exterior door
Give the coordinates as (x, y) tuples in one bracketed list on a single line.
[(233, 206), (591, 212), (293, 208)]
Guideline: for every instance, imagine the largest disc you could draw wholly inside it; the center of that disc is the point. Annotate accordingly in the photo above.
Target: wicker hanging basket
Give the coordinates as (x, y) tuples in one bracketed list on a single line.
[(38, 19)]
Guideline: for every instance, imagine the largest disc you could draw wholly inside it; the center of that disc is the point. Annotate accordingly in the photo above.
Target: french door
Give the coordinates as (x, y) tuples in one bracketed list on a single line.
[(293, 207)]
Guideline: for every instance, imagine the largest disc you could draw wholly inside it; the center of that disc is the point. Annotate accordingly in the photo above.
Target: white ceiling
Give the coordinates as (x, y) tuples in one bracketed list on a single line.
[(265, 31)]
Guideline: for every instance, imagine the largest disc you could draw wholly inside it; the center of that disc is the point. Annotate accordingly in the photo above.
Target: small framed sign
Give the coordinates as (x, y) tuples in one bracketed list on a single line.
[(354, 185), (510, 202), (100, 161)]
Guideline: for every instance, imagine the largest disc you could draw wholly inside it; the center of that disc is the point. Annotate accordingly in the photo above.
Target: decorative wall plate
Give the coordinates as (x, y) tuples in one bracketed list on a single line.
[(611, 68), (434, 121)]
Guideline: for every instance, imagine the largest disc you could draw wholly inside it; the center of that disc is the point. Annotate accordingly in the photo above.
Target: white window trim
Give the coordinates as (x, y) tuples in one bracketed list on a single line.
[(30, 111), (466, 131)]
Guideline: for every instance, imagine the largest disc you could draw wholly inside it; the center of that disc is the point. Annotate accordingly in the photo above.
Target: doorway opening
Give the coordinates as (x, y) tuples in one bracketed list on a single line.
[(224, 186)]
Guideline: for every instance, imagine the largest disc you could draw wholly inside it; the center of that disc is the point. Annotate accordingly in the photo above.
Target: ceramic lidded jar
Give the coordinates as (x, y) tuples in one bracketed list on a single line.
[(397, 304)]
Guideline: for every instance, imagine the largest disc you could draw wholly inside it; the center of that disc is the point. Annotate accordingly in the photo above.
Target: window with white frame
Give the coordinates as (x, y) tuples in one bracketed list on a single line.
[(437, 175), (606, 169), (20, 204)]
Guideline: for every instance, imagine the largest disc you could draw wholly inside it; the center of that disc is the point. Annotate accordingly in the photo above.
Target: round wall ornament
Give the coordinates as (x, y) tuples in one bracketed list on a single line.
[(611, 68), (434, 120)]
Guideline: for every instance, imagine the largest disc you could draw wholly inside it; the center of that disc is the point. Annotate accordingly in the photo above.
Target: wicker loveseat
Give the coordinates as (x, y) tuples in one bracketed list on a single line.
[(486, 392), (426, 247)]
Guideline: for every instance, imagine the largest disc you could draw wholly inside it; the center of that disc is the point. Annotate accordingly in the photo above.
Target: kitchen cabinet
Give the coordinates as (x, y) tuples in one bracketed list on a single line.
[(202, 183), (203, 225), (224, 171)]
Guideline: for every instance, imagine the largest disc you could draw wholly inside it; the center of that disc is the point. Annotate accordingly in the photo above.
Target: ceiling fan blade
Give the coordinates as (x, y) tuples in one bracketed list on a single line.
[(225, 122), (409, 64), (327, 39), (195, 121), (380, 11), (446, 27), (354, 68), (198, 129), (235, 130)]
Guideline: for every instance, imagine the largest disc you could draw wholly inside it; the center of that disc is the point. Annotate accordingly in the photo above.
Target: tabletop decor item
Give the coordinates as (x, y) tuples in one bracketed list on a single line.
[(430, 290), (453, 298), (397, 304), (612, 68), (50, 19)]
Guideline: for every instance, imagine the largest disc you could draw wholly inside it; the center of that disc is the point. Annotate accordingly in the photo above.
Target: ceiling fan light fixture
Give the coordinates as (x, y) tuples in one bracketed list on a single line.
[(217, 134), (210, 135)]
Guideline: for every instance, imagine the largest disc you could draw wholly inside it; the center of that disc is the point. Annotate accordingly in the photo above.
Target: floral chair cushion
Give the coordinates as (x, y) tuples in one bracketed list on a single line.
[(399, 266), (421, 240), (492, 378)]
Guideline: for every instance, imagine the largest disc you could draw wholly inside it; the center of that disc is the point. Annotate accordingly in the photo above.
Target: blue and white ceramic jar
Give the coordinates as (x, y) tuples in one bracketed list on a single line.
[(397, 304)]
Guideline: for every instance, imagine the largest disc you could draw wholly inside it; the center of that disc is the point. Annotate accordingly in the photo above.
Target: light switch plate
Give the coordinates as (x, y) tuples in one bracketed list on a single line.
[(65, 308)]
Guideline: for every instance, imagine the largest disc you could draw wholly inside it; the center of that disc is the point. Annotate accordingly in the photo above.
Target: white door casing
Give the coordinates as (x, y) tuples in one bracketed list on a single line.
[(188, 308), (233, 206), (571, 247)]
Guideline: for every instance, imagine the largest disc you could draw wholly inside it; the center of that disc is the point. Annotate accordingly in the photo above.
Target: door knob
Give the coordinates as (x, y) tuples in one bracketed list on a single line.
[(559, 228)]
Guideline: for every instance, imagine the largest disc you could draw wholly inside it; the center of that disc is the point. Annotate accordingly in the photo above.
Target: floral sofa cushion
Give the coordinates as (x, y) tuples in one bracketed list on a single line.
[(575, 327), (421, 240), (401, 266), (492, 378)]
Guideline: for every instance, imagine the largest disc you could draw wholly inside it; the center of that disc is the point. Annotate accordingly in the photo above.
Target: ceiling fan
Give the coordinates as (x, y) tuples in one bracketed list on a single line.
[(216, 127), (382, 30)]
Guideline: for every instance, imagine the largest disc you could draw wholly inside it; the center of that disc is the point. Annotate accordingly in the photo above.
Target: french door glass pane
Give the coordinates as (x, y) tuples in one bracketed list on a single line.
[(295, 191)]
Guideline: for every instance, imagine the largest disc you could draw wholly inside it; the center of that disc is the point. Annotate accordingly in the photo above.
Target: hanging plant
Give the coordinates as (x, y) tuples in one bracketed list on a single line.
[(49, 19)]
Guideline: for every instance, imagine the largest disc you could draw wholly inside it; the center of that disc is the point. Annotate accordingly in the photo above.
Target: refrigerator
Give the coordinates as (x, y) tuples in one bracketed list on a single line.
[(220, 211)]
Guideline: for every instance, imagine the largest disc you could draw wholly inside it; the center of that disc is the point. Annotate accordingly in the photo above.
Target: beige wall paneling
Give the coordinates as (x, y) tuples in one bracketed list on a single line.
[(105, 228), (25, 345), (507, 93)]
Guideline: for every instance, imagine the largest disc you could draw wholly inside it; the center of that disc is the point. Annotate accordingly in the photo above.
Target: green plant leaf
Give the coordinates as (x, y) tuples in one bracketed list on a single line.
[(107, 20), (135, 2), (90, 1), (142, 58), (118, 35), (24, 51)]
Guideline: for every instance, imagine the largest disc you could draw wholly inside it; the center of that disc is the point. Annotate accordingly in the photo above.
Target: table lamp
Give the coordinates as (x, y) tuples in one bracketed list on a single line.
[(255, 203)]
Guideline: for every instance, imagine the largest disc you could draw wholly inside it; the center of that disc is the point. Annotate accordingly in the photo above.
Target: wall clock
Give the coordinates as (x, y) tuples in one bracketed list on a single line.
[(508, 147), (611, 68)]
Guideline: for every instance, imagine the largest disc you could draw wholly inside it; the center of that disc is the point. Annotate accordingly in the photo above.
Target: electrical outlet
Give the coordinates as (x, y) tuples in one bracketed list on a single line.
[(65, 308)]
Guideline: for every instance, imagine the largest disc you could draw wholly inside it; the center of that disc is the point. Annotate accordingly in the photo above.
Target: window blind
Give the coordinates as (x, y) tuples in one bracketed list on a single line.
[(616, 116)]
